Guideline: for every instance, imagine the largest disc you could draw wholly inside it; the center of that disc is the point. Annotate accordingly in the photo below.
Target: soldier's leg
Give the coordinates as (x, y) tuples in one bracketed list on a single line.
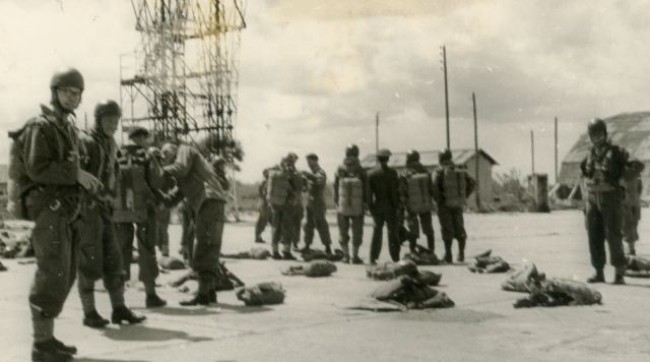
[(357, 238), (612, 221), (413, 229), (147, 254), (596, 235), (289, 229), (344, 235), (90, 262), (393, 235), (163, 231), (629, 226), (459, 232), (322, 227), (262, 220), (276, 228), (187, 218), (310, 225), (298, 214), (125, 232), (447, 230), (209, 230), (427, 229), (377, 229), (52, 238)]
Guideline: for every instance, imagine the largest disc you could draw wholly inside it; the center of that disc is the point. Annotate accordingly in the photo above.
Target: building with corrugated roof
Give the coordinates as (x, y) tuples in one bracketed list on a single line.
[(462, 157), (628, 130)]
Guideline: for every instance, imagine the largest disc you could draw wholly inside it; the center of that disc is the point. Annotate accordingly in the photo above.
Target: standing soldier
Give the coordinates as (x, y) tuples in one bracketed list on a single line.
[(417, 194), (452, 187), (350, 197), (316, 208), (163, 213), (135, 202), (384, 205), (632, 203), (187, 235), (281, 194), (100, 254), (48, 180), (299, 184), (603, 169), (205, 192), (265, 215)]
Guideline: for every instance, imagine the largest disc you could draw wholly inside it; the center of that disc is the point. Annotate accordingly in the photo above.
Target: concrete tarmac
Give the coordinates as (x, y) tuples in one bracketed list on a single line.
[(314, 323)]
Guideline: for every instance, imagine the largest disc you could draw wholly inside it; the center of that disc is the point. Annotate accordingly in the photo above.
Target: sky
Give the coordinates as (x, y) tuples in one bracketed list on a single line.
[(314, 74)]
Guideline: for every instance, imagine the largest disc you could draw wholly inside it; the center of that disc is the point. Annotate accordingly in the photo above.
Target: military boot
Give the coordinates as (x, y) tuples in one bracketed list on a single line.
[(461, 251), (619, 276), (631, 249), (599, 277), (94, 320), (50, 351), (346, 253), (213, 296), (199, 299), (288, 256), (355, 256), (154, 301), (328, 249), (448, 257), (64, 347), (123, 314), (276, 256)]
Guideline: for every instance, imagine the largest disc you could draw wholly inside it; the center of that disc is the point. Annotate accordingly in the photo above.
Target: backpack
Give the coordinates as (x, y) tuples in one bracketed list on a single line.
[(350, 196), (455, 187), (419, 195), (277, 188)]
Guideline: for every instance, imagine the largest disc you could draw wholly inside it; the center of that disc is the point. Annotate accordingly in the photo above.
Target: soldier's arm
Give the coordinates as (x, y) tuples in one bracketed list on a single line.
[(182, 164), (40, 165), (336, 188), (470, 185), (438, 188)]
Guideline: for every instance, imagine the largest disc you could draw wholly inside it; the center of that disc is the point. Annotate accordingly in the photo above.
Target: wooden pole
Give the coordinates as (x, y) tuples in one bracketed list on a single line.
[(556, 150), (532, 150), (477, 156), (444, 68)]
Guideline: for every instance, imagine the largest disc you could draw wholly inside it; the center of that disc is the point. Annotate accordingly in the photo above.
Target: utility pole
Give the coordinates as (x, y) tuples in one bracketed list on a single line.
[(532, 150), (376, 134), (476, 152), (444, 69), (556, 150)]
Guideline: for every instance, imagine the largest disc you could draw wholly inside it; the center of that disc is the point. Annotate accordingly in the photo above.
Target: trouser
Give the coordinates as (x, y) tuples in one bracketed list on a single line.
[(263, 219), (100, 257), (145, 234), (316, 220), (452, 227), (163, 218), (283, 226), (345, 222), (388, 217), (413, 221), (603, 218), (631, 217), (55, 239), (188, 234), (209, 233), (298, 214)]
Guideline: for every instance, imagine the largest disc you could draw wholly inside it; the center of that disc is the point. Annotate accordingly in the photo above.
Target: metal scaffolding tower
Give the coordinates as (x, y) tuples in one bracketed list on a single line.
[(181, 82)]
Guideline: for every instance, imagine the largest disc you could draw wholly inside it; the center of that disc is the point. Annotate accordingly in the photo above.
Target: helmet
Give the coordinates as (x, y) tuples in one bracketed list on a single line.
[(292, 156), (312, 156), (413, 156), (352, 150), (107, 108), (384, 152), (444, 156), (69, 77), (597, 125)]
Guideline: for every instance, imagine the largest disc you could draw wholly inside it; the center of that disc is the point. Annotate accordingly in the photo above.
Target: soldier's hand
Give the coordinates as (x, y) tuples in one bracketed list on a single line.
[(89, 182)]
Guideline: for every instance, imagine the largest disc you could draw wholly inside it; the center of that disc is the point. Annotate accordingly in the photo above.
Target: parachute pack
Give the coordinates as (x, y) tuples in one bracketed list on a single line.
[(419, 195), (350, 196)]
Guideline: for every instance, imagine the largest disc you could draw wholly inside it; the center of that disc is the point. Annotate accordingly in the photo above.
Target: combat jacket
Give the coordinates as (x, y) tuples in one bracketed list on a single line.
[(603, 168), (195, 178), (384, 185), (316, 183), (99, 158), (351, 167)]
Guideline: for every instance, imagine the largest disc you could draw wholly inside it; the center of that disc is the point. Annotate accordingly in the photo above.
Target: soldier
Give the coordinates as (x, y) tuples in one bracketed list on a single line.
[(416, 188), (100, 255), (299, 183), (188, 235), (452, 186), (316, 208), (163, 214), (204, 191), (135, 203), (49, 182), (384, 205), (603, 169), (265, 215), (350, 197), (282, 193), (632, 203)]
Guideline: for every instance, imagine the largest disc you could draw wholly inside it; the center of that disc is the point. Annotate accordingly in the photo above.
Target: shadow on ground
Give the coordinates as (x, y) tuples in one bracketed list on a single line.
[(142, 333), (244, 309), (184, 311), (106, 360)]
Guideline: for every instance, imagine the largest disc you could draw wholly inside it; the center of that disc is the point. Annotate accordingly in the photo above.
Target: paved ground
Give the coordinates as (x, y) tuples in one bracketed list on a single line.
[(314, 325)]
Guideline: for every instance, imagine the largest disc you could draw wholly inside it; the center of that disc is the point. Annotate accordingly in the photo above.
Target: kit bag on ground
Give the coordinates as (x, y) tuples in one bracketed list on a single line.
[(262, 294), (389, 270)]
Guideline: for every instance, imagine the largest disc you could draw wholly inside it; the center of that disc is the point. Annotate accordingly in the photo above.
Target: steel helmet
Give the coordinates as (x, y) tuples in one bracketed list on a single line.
[(69, 77), (384, 152), (597, 125), (413, 156), (445, 156), (107, 108), (352, 150)]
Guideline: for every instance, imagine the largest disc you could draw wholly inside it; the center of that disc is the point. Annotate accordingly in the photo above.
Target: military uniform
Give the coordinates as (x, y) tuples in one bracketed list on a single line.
[(204, 192), (135, 203), (451, 205), (316, 208), (384, 205), (264, 209), (602, 169), (52, 200), (285, 212), (418, 206), (632, 206), (351, 168)]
